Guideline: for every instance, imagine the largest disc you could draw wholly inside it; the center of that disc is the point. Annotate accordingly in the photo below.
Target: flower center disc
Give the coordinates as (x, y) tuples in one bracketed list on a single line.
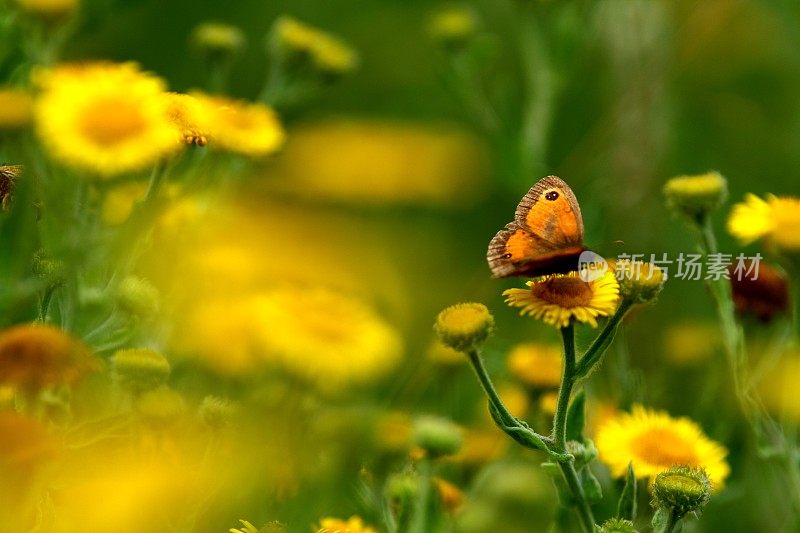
[(661, 447), (564, 292), (112, 121)]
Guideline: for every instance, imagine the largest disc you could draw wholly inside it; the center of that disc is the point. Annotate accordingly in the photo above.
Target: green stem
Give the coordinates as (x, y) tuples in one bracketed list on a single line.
[(560, 430), (594, 354), (44, 305), (420, 519), (488, 387)]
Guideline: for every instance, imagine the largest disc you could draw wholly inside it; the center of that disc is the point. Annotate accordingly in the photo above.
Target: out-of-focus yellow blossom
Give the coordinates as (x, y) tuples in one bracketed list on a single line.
[(34, 356), (514, 398), (639, 282), (118, 202), (250, 129), (192, 116), (691, 342), (444, 355), (778, 387), (218, 39), (328, 54), (16, 108), (354, 524), (560, 298), (453, 26), (393, 431), (536, 365), (548, 403), (481, 446), (326, 338), (451, 496), (652, 441), (105, 118), (776, 220), (49, 10), (696, 196), (376, 162)]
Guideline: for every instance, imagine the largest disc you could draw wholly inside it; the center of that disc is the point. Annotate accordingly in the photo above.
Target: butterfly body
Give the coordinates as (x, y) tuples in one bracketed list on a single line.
[(546, 236)]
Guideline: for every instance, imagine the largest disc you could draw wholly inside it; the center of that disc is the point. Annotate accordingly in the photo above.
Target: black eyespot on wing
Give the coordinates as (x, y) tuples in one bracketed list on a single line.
[(551, 196)]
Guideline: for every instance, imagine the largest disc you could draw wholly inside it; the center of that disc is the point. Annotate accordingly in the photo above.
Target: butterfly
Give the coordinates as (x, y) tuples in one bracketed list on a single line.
[(546, 236)]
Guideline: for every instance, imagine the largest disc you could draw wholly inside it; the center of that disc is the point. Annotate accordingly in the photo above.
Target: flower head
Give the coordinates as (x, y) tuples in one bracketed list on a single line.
[(36, 356), (240, 127), (140, 369), (451, 496), (16, 108), (776, 220), (453, 26), (639, 282), (464, 326), (696, 196), (681, 488), (538, 366), (617, 525), (299, 42), (104, 118), (49, 10), (559, 298), (437, 436), (354, 524), (652, 441), (217, 39), (190, 116)]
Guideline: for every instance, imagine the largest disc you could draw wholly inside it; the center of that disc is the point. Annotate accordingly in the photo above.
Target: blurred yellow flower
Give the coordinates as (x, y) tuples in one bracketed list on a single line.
[(16, 108), (653, 442), (327, 53), (776, 220), (34, 356), (514, 398), (375, 162), (452, 25), (691, 342), (451, 496), (548, 403), (354, 524), (779, 385), (559, 298), (536, 365), (481, 446), (444, 355), (51, 10), (324, 337), (104, 118), (190, 116), (218, 39), (393, 431), (250, 129)]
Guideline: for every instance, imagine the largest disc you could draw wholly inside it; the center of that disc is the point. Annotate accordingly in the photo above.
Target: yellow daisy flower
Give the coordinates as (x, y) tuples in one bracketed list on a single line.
[(776, 220), (653, 442), (324, 337), (536, 365), (104, 118), (245, 128), (558, 298), (354, 524)]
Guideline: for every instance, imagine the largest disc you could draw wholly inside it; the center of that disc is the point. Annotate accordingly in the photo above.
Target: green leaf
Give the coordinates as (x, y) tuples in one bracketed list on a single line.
[(576, 417), (591, 487), (626, 508)]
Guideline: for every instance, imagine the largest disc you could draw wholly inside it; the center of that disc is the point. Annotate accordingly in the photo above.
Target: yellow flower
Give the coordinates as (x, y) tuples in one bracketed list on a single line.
[(464, 326), (776, 220), (443, 355), (536, 365), (696, 196), (453, 25), (50, 10), (393, 431), (16, 108), (250, 129), (691, 342), (548, 403), (352, 525), (190, 116), (778, 387), (327, 338), (639, 282), (328, 54), (653, 442), (451, 496), (218, 39), (36, 356), (558, 298), (104, 118)]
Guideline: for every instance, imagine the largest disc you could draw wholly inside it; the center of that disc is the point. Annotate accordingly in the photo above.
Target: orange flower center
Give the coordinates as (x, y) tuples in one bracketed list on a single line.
[(663, 447), (566, 291), (112, 121)]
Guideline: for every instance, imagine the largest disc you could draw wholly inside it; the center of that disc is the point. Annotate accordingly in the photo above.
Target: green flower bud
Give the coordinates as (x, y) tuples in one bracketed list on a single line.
[(639, 282), (138, 297), (140, 369), (216, 412), (402, 490), (682, 489), (696, 196), (617, 525), (464, 326), (50, 270), (437, 436)]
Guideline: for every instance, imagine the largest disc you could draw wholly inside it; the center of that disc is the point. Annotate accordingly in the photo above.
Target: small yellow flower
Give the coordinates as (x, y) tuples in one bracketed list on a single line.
[(536, 365), (696, 196), (779, 385), (16, 108), (776, 220), (653, 442), (682, 489), (688, 343), (140, 369), (464, 326), (49, 10), (354, 524), (104, 118), (548, 403), (558, 298), (451, 496), (36, 356), (453, 26), (328, 54), (639, 282), (240, 127), (216, 38), (190, 116)]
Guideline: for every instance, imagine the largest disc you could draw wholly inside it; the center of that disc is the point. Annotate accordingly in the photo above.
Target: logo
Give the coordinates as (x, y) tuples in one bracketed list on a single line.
[(591, 266)]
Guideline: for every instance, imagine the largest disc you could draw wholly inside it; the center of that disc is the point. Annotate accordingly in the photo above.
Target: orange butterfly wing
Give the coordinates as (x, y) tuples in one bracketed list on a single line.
[(546, 236)]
